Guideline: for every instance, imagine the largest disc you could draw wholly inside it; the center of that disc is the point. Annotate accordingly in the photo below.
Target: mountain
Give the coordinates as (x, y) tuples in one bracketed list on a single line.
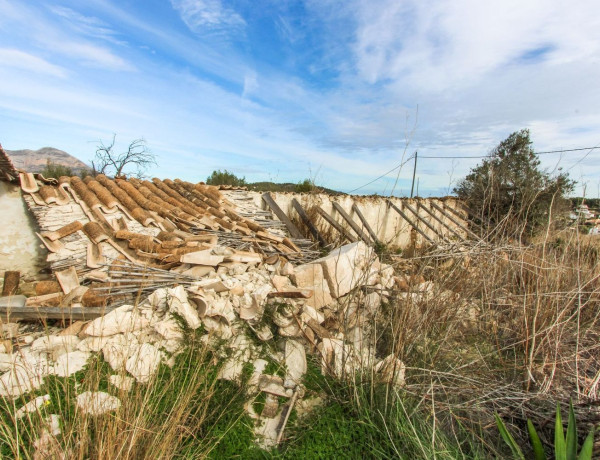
[(35, 160)]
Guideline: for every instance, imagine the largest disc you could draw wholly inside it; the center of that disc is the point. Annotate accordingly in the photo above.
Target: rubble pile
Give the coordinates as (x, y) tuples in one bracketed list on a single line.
[(316, 307), (144, 260)]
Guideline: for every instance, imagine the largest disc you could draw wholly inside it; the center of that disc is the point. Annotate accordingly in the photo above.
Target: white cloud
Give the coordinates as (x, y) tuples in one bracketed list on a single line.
[(25, 61), (86, 25), (207, 15)]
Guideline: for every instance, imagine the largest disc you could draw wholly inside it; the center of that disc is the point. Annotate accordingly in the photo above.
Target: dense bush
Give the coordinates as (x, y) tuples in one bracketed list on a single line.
[(509, 191), (225, 178)]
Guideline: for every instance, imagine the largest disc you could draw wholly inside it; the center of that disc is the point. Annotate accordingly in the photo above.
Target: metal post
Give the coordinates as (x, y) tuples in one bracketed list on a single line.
[(412, 187)]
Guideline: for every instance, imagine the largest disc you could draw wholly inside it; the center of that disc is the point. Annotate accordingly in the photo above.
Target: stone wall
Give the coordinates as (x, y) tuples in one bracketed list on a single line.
[(390, 227), (19, 247)]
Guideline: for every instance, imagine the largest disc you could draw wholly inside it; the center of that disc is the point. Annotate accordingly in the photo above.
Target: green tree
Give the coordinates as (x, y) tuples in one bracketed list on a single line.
[(225, 178), (509, 192), (54, 170)]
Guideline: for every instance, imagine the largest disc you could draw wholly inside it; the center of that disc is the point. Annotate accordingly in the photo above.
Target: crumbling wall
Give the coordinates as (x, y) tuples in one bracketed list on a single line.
[(390, 227), (19, 247)]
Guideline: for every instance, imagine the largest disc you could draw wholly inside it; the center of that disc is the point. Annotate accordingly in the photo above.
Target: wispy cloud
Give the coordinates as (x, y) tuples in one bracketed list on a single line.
[(24, 61), (301, 86), (87, 25), (209, 16)]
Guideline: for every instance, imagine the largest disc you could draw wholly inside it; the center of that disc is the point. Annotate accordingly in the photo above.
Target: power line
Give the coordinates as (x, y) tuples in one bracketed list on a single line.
[(383, 175), (484, 156), (487, 156)]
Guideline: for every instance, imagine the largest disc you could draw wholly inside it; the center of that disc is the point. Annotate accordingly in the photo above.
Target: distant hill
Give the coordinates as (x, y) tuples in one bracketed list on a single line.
[(35, 160)]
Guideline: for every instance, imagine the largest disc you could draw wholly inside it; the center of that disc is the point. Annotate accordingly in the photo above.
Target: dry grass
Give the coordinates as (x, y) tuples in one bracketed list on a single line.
[(511, 330), (173, 416)]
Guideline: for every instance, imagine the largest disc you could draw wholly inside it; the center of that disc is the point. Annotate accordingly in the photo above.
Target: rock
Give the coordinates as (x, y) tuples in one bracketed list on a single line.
[(292, 330), (92, 343), (120, 320), (97, 403), (144, 363), (268, 431), (259, 367), (47, 446), (52, 423), (311, 276), (55, 345), (158, 299), (69, 363), (74, 328), (271, 406), (169, 329), (122, 382), (199, 271), (9, 330), (118, 349), (273, 384), (26, 374), (295, 361), (33, 406), (340, 359), (178, 303), (281, 283), (306, 406), (372, 302), (347, 267), (308, 312), (6, 362), (391, 370)]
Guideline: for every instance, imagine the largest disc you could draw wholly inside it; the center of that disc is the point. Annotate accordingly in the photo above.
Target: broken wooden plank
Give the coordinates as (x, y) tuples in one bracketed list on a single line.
[(37, 313), (427, 224), (292, 294), (405, 217), (365, 224), (11, 282), (432, 214), (453, 220), (352, 224), (335, 224), (313, 230), (267, 198)]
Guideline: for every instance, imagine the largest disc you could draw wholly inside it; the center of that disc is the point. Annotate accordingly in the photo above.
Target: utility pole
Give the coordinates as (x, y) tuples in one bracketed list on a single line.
[(412, 187)]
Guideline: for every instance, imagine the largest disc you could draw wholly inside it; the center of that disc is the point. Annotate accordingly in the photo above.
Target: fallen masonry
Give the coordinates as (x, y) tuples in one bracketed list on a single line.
[(137, 263), (237, 312)]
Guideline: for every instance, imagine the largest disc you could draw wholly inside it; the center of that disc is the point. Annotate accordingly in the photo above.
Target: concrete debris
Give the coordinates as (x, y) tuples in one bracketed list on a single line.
[(33, 406), (70, 363), (122, 382), (123, 319), (9, 330), (178, 303), (295, 361), (54, 346), (195, 263), (118, 349), (144, 362), (391, 370), (97, 402), (345, 268)]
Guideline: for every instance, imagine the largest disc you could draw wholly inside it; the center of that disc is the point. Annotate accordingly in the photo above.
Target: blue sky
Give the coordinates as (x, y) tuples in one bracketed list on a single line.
[(339, 91)]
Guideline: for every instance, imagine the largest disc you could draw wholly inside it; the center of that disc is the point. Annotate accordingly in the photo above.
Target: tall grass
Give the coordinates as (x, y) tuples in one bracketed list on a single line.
[(179, 414)]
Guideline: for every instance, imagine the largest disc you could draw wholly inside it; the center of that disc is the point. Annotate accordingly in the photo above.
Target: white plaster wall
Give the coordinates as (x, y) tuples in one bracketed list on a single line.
[(389, 226), (19, 247)]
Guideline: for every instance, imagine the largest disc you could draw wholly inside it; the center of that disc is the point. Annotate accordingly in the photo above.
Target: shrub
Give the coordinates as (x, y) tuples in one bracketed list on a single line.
[(54, 170), (509, 192), (306, 186), (225, 178)]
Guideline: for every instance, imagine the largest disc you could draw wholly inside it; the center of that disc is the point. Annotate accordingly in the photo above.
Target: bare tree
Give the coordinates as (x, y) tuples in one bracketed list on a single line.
[(137, 156)]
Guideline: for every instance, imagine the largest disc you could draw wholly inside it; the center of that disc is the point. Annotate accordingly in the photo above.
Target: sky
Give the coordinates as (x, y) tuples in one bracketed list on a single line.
[(339, 92)]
